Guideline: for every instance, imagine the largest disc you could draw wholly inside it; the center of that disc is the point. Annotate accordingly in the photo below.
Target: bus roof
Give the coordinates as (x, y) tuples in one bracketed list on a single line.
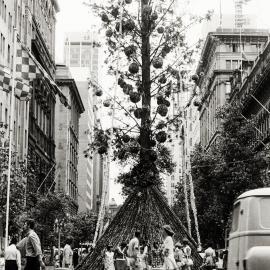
[(255, 192)]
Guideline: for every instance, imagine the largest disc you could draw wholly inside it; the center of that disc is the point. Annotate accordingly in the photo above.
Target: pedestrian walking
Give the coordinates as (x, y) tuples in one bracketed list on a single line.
[(2, 260), (156, 256), (188, 262), (67, 254), (109, 259), (75, 257), (210, 258), (133, 251), (168, 249), (31, 247), (12, 256), (120, 256), (179, 255)]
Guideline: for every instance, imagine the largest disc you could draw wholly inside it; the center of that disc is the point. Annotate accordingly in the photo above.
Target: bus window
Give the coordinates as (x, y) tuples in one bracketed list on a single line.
[(235, 221), (264, 211)]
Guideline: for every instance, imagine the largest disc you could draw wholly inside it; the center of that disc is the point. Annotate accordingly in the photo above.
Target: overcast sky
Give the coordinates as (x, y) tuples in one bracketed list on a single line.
[(76, 17)]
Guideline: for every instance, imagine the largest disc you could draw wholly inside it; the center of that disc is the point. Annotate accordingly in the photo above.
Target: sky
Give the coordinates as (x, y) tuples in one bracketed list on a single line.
[(74, 16)]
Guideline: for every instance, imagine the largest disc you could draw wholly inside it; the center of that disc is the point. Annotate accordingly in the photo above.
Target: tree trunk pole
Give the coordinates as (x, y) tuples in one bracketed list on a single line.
[(145, 133)]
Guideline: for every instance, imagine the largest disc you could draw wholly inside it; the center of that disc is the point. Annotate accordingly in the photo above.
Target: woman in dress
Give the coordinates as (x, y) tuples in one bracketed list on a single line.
[(109, 259), (168, 249)]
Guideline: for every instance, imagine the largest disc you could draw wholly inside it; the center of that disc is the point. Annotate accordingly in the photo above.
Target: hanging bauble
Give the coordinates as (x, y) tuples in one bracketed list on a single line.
[(128, 1), (195, 78), (134, 149), (130, 50), (161, 125), (160, 100), (106, 103), (138, 113), (135, 97), (121, 154), (109, 33), (104, 17), (115, 12), (133, 68), (166, 48), (127, 89), (153, 143), (129, 25), (196, 103), (158, 62), (162, 110), (152, 155), (162, 79), (99, 93), (126, 138), (161, 136), (167, 103), (102, 150), (154, 16), (160, 30)]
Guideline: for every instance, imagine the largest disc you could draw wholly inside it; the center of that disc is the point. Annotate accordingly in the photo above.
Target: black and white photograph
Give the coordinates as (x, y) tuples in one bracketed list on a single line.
[(134, 135)]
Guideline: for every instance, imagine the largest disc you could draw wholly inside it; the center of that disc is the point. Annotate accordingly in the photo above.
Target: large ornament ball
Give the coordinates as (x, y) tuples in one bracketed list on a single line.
[(102, 150), (162, 110), (133, 68), (138, 113), (104, 17), (158, 62), (99, 93), (126, 138), (135, 97), (160, 30), (161, 136), (109, 33)]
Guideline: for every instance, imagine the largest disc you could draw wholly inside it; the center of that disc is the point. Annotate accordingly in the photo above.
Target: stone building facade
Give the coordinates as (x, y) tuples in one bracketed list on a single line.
[(67, 136), (223, 53)]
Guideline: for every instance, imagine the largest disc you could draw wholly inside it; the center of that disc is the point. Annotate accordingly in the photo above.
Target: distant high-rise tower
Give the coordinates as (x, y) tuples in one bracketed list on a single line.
[(82, 57)]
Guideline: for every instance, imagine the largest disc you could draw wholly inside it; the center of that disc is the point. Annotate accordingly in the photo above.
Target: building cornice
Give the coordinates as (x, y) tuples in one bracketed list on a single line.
[(71, 82)]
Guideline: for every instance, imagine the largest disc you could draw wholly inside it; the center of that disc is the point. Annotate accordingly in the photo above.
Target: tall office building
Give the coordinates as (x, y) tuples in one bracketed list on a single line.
[(223, 53), (176, 141), (82, 57)]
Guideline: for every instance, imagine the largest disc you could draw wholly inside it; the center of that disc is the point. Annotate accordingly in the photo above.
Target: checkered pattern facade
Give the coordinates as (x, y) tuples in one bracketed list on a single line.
[(4, 81), (26, 68)]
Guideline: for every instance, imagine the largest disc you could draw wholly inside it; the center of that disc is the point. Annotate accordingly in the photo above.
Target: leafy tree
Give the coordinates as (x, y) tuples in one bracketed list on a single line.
[(148, 52), (81, 227), (17, 190), (225, 170)]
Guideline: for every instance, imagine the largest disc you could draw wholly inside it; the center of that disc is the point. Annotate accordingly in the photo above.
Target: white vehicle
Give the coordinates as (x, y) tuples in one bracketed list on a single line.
[(249, 240)]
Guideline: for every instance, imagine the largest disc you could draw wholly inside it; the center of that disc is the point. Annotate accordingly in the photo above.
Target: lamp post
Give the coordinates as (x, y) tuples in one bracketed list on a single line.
[(4, 143), (58, 225)]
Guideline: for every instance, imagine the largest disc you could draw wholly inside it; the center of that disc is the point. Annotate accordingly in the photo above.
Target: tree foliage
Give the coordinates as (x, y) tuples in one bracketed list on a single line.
[(225, 170), (147, 50), (18, 176)]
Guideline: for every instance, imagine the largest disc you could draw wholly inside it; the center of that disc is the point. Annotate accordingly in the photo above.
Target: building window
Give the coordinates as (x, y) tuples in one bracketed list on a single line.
[(235, 47), (228, 64), (8, 55), (235, 64)]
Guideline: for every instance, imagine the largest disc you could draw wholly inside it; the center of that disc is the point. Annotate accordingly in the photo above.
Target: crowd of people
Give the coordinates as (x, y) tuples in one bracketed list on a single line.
[(139, 254)]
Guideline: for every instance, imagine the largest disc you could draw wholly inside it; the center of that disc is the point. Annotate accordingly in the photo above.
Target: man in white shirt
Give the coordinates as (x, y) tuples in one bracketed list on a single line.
[(133, 250), (12, 256), (67, 254)]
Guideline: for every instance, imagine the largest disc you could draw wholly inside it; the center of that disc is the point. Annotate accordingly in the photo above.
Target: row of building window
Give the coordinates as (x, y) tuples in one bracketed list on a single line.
[(3, 10)]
